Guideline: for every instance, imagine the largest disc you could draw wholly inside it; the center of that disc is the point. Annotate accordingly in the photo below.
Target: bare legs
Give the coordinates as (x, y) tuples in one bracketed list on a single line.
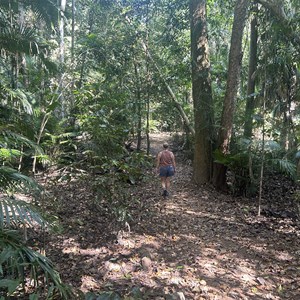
[(165, 183)]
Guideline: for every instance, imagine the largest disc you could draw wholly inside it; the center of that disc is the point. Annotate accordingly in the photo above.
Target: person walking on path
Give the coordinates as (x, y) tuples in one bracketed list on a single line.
[(166, 168)]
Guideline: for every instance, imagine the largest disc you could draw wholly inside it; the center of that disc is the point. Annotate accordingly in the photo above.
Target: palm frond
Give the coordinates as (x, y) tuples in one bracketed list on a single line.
[(10, 179), (285, 166), (221, 158), (18, 261), (272, 146), (13, 138), (18, 94), (8, 154), (14, 211), (24, 41), (45, 10)]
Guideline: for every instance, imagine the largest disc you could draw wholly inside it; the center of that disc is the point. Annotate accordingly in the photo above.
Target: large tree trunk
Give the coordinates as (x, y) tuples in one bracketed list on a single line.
[(234, 67), (202, 92), (251, 78)]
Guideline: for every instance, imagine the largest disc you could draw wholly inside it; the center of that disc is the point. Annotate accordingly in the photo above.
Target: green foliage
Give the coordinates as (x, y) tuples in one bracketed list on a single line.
[(113, 183), (104, 121), (14, 212), (45, 10), (18, 262), (245, 162), (284, 166), (154, 126), (62, 147), (12, 181)]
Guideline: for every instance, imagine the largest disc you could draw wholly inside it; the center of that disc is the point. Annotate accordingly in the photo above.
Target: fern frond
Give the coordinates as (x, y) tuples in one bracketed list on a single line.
[(25, 42)]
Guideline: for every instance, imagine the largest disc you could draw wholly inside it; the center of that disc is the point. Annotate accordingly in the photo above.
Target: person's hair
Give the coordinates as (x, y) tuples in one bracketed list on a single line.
[(165, 145)]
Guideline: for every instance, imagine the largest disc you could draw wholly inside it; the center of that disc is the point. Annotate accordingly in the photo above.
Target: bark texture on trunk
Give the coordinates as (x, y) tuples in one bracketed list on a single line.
[(234, 68), (250, 105), (138, 106), (62, 56), (202, 93)]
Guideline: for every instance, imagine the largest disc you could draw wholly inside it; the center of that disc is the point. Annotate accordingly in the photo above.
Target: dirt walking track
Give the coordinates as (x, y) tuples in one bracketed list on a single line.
[(196, 244)]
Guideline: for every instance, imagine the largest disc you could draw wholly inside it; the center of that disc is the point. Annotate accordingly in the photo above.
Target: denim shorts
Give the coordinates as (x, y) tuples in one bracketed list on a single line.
[(166, 171)]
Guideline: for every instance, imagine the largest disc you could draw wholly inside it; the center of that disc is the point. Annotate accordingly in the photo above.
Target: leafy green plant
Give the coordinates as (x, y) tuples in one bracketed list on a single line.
[(113, 194), (244, 162), (21, 266), (19, 263)]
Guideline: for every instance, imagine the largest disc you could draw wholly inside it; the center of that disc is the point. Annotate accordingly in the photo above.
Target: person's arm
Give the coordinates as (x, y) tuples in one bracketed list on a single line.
[(174, 162), (158, 160)]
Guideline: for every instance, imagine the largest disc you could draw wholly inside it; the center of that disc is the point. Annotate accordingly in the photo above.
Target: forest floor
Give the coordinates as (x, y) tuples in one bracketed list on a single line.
[(196, 244)]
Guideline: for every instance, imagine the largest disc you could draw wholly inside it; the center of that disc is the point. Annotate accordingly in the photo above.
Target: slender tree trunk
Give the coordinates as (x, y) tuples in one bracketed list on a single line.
[(62, 31), (73, 32), (148, 106), (72, 96), (12, 57), (138, 106), (148, 76), (260, 189), (294, 81), (250, 105), (234, 67), (148, 122), (82, 69), (39, 137), (62, 54), (288, 135), (201, 92)]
